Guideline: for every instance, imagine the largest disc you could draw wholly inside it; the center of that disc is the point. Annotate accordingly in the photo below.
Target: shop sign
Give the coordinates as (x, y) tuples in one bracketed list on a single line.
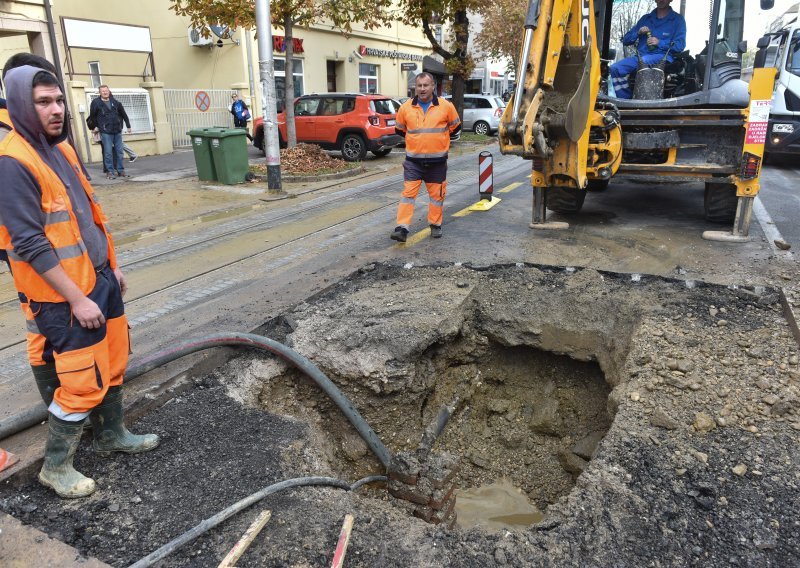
[(279, 44), (364, 50), (408, 66)]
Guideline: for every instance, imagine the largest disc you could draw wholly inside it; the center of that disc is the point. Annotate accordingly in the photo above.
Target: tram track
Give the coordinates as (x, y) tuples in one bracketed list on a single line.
[(271, 220), (268, 219)]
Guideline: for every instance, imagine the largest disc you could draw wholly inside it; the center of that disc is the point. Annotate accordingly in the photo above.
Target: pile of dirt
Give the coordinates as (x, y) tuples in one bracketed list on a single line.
[(306, 159)]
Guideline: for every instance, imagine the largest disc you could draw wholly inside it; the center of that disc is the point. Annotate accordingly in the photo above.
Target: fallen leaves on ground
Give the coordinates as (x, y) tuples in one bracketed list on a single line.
[(305, 159)]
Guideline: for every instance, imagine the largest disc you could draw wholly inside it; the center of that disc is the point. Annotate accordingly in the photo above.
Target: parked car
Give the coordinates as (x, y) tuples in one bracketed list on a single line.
[(352, 123), (482, 113)]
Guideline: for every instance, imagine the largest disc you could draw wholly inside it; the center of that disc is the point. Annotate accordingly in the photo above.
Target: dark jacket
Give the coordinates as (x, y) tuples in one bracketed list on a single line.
[(108, 120), (21, 197)]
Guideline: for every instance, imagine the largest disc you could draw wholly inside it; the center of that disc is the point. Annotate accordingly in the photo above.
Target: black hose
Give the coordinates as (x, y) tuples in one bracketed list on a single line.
[(435, 429), (212, 522), (148, 363)]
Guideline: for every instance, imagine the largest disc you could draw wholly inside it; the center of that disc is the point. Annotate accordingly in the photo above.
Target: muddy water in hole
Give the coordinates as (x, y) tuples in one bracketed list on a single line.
[(497, 506)]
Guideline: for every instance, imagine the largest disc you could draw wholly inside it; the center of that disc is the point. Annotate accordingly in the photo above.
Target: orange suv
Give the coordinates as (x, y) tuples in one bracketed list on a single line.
[(349, 122)]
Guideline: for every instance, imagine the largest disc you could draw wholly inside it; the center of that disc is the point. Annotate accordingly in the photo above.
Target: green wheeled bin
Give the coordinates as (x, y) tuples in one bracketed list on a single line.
[(202, 153), (229, 151)]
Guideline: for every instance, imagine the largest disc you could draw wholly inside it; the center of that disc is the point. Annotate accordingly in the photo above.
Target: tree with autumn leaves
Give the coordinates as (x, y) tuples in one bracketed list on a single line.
[(457, 60), (502, 31), (286, 14), (342, 14)]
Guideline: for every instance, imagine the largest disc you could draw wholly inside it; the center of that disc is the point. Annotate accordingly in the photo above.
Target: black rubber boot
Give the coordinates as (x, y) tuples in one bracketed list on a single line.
[(46, 381), (57, 471), (399, 234), (436, 231), (110, 433)]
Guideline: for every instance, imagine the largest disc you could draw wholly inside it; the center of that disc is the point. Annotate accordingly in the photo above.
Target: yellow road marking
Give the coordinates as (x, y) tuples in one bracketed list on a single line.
[(425, 233), (463, 213), (417, 237), (511, 187)]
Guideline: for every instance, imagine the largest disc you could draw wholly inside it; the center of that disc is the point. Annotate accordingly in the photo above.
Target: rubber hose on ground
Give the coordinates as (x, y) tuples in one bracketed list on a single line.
[(212, 522), (287, 354), (148, 363)]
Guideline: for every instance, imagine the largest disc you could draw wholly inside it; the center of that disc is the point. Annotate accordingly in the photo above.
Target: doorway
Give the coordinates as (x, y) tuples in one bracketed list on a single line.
[(331, 76)]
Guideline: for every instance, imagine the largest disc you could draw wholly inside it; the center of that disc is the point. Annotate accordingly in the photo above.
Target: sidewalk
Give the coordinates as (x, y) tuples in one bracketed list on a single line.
[(177, 165)]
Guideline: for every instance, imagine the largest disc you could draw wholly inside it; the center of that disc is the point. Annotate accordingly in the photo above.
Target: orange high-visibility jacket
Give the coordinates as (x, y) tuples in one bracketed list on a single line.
[(427, 135), (61, 226)]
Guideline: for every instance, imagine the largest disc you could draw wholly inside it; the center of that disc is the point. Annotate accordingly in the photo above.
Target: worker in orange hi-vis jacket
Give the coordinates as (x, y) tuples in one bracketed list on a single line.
[(65, 271), (427, 122)]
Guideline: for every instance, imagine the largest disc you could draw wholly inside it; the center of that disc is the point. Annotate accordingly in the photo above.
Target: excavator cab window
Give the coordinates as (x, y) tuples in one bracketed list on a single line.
[(696, 68)]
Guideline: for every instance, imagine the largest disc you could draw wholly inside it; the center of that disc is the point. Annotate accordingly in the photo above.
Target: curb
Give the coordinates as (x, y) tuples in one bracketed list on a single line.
[(321, 177)]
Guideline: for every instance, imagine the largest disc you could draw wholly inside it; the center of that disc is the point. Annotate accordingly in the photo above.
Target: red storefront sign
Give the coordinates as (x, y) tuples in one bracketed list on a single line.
[(279, 44)]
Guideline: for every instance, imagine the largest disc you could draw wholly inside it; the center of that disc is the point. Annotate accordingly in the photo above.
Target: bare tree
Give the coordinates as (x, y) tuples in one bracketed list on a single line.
[(624, 17)]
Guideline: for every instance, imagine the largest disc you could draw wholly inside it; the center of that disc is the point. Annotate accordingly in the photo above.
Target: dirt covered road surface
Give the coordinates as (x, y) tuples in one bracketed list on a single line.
[(652, 421)]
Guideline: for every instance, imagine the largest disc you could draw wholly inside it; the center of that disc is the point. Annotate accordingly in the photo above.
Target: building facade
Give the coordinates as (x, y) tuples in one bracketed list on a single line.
[(171, 78)]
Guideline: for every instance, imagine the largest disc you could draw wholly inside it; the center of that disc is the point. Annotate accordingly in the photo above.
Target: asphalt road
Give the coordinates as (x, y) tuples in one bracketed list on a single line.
[(780, 194), (278, 256)]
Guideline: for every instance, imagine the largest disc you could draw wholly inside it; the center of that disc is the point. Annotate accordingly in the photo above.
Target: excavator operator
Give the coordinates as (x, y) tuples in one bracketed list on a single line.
[(661, 33)]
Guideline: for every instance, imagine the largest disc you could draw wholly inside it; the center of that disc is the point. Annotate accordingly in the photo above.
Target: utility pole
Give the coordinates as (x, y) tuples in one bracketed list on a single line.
[(268, 102), (683, 7)]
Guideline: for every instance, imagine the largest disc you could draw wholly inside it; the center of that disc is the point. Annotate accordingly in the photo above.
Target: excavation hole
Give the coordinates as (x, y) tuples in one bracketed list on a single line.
[(526, 424)]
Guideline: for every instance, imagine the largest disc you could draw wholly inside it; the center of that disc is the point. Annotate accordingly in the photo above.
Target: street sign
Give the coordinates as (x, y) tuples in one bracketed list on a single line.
[(202, 101), (408, 66)]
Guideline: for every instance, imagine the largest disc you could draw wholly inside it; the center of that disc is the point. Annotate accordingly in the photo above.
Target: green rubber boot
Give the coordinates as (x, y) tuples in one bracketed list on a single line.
[(110, 434), (57, 471), (46, 381)]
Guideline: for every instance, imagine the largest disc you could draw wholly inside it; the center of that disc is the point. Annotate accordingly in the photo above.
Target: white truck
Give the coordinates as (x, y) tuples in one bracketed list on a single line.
[(780, 48)]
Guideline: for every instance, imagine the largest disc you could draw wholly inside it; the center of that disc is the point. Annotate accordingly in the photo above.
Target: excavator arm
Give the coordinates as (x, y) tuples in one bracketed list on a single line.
[(554, 118)]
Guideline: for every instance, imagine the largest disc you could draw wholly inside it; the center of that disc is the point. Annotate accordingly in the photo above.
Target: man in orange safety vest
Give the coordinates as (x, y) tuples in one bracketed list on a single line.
[(427, 122)]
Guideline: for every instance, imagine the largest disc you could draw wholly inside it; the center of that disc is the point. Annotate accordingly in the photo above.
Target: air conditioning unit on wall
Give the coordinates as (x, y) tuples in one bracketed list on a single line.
[(196, 38)]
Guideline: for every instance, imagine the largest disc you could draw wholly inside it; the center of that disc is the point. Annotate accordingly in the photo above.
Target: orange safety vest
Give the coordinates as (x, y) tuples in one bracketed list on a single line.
[(5, 123), (61, 226), (427, 134)]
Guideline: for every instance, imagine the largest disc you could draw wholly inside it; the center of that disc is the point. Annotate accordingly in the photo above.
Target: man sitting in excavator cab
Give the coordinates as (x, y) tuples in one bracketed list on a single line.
[(660, 35)]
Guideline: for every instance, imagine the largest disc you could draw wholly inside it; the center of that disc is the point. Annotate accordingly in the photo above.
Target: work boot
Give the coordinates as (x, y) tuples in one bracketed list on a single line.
[(400, 234), (110, 434), (57, 471), (46, 381), (436, 231)]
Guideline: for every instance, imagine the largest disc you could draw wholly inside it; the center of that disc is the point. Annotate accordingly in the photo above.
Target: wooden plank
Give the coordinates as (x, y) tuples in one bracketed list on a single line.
[(247, 538), (344, 540)]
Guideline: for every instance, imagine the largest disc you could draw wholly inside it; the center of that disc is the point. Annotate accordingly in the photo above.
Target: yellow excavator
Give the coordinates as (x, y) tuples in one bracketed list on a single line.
[(696, 121)]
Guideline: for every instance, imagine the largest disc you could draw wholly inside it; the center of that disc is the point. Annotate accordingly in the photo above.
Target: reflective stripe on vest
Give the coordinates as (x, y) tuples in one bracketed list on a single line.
[(60, 226)]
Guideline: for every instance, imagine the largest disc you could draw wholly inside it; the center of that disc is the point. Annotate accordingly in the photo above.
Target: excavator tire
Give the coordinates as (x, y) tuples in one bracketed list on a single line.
[(565, 199), (720, 202), (597, 185)]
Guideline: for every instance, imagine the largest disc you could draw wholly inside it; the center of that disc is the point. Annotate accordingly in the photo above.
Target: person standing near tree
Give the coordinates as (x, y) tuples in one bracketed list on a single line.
[(427, 122), (107, 114), (66, 274)]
